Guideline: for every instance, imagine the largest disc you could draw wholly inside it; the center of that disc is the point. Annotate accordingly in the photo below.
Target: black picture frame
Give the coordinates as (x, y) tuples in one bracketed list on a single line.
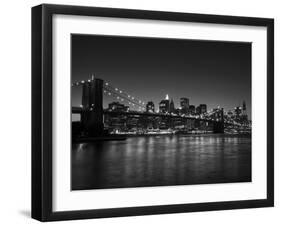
[(42, 112)]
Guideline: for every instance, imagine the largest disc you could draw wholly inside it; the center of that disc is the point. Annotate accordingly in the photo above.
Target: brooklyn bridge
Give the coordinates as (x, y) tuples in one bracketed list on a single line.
[(95, 120)]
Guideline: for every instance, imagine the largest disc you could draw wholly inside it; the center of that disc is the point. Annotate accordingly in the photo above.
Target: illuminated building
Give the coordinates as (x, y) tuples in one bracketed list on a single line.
[(172, 106), (184, 103), (203, 108), (237, 111), (198, 110), (244, 112), (164, 105), (116, 106), (150, 107), (191, 109)]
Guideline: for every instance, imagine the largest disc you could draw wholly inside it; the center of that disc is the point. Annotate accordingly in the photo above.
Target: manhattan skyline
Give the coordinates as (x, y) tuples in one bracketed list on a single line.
[(207, 72)]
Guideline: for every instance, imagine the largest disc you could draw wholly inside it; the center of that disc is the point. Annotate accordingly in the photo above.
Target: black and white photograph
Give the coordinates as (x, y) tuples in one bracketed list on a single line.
[(145, 112), (151, 112)]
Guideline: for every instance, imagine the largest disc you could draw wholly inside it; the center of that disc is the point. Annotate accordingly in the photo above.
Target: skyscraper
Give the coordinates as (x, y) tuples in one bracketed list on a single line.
[(164, 106), (244, 108), (172, 106), (198, 110), (237, 111), (150, 107), (192, 109), (244, 112), (203, 108), (184, 103)]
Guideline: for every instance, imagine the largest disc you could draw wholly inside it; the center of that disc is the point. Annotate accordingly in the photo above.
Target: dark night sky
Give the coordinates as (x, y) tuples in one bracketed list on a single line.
[(206, 72)]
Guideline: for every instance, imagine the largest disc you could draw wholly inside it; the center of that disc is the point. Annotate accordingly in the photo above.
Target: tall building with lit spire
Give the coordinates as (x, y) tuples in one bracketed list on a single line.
[(164, 105)]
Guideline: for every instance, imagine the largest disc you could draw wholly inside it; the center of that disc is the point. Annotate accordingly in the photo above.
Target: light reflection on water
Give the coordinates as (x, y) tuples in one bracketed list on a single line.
[(161, 160)]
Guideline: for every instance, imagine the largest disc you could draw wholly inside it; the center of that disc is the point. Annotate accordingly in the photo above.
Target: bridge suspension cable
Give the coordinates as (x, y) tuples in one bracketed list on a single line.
[(117, 93), (122, 95)]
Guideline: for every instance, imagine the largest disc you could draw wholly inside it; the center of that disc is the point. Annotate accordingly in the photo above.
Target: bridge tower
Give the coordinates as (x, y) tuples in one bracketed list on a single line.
[(219, 125), (92, 101), (85, 103)]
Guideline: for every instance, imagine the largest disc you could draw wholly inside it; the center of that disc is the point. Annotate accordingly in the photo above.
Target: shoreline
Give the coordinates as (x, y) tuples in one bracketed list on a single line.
[(122, 137), (187, 134)]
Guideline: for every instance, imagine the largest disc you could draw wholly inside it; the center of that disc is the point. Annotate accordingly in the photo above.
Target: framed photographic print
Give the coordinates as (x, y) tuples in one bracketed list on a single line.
[(145, 112)]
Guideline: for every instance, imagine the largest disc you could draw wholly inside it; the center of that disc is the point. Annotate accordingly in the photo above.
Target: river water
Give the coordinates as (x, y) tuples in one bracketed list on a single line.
[(161, 161)]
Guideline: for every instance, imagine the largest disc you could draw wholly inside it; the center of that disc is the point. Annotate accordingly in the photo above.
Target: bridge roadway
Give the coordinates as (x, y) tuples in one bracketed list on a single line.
[(79, 110)]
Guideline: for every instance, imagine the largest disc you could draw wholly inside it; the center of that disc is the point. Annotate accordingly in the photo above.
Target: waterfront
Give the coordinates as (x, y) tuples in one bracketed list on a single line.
[(161, 161)]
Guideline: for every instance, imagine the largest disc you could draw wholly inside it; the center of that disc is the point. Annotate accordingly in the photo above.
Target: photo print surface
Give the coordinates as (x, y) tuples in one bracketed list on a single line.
[(159, 112)]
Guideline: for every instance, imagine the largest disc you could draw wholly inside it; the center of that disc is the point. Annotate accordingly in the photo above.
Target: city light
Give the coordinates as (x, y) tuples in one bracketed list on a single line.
[(166, 107)]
